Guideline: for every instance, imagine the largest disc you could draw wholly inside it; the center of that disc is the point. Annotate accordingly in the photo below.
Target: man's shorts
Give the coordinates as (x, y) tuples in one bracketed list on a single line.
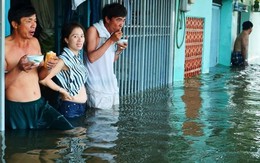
[(102, 100), (237, 59), (34, 115)]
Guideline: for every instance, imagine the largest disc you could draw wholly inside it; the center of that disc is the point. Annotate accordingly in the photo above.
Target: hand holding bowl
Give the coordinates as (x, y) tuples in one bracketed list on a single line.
[(37, 59)]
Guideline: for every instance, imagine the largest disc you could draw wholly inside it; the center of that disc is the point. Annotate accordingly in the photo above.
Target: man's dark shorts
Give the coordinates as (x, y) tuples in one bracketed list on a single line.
[(237, 59), (34, 115)]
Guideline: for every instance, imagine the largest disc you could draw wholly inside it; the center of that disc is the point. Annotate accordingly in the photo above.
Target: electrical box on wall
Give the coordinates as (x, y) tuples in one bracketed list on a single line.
[(184, 5)]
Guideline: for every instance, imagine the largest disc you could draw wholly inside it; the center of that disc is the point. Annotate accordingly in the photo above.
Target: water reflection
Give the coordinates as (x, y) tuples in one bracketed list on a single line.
[(192, 100), (244, 102), (42, 145), (30, 146), (231, 113), (2, 146), (210, 118), (102, 134), (143, 126)]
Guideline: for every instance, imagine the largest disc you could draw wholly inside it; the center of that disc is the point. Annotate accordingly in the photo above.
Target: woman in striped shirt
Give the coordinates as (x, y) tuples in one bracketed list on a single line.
[(71, 72)]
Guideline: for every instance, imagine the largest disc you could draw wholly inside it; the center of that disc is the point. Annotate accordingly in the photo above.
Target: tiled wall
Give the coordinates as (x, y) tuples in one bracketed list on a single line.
[(194, 45)]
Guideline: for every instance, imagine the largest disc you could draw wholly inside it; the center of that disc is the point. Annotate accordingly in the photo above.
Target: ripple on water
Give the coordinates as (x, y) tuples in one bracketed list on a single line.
[(213, 117)]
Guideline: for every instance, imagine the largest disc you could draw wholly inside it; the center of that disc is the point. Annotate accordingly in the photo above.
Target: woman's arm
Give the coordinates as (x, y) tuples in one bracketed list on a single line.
[(43, 72), (47, 81)]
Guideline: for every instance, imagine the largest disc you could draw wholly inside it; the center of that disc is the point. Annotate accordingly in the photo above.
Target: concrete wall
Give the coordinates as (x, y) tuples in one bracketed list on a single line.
[(229, 30), (226, 21), (200, 9), (254, 38)]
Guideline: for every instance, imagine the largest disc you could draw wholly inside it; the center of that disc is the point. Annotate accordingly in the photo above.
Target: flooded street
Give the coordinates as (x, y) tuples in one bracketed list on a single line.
[(214, 117)]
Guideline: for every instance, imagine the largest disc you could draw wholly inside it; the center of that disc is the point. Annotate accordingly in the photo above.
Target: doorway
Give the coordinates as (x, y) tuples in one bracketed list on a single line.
[(215, 31)]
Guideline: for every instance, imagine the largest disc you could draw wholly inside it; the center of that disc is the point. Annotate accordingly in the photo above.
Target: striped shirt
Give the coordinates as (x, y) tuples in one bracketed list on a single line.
[(76, 75)]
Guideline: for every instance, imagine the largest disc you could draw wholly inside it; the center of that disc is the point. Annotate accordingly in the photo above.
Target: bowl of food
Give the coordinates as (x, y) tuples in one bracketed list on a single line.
[(37, 59), (122, 41)]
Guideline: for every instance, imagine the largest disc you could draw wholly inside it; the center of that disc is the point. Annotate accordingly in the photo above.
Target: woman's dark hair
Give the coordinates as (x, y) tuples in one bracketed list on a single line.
[(66, 31), (114, 10), (15, 13)]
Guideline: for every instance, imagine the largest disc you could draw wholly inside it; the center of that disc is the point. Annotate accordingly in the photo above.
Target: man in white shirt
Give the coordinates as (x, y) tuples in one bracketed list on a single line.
[(102, 51)]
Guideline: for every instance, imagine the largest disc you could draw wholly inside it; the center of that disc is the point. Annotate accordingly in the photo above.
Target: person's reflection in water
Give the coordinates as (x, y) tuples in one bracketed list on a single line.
[(192, 100), (30, 146), (44, 146), (102, 132)]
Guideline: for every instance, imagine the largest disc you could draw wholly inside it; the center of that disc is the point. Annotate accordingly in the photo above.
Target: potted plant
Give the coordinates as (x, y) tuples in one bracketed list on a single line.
[(256, 5)]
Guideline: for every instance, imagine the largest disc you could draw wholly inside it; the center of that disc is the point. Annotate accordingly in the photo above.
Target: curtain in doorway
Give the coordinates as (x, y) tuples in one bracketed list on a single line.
[(76, 3), (95, 7), (45, 15)]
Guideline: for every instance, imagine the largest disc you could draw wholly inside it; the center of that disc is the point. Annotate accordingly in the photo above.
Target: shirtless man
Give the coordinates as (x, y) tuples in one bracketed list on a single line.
[(240, 52), (24, 104)]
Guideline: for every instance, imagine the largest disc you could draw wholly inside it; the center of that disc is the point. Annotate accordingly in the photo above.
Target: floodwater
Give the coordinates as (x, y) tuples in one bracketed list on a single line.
[(214, 117)]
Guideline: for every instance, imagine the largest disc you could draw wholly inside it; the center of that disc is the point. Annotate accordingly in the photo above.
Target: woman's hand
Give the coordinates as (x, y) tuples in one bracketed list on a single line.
[(65, 95)]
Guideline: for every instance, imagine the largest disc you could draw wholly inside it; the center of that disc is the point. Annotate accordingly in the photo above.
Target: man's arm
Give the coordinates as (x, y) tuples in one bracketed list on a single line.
[(12, 74), (94, 54)]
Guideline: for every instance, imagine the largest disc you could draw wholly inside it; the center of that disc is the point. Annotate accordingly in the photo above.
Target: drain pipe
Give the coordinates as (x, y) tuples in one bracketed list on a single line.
[(183, 6), (180, 24)]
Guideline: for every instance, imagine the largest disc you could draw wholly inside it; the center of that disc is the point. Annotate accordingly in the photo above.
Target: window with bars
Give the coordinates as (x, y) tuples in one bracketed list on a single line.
[(146, 63)]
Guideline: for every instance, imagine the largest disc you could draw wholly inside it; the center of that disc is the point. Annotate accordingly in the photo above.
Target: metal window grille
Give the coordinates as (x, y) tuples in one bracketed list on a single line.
[(146, 63)]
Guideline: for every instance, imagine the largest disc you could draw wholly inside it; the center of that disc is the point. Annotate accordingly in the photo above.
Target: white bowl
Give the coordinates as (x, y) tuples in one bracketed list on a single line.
[(37, 59), (122, 41)]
